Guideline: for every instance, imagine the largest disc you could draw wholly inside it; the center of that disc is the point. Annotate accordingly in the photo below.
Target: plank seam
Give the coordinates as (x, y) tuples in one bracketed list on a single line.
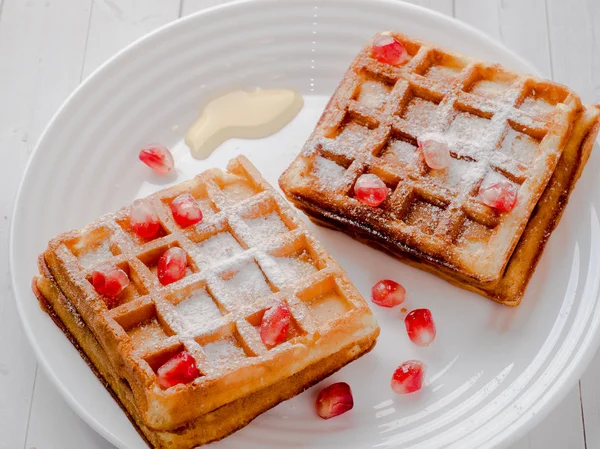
[(87, 39), (582, 415), (30, 406), (549, 39)]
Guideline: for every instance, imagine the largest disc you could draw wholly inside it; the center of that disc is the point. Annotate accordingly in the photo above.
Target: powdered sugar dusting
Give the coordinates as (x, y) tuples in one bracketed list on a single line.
[(218, 248), (223, 350), (350, 141), (442, 73), (469, 128), (423, 215), (328, 173), (373, 94), (453, 175), (400, 150), (147, 334), (537, 106), (198, 310), (247, 284), (266, 227), (296, 267), (493, 177), (421, 113), (96, 254), (489, 88), (519, 145)]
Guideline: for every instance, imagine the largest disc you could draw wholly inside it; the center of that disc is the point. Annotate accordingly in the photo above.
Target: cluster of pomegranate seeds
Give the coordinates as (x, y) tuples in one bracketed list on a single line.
[(435, 151), (158, 158), (387, 293), (408, 377), (370, 190), (334, 400), (172, 265), (275, 323), (180, 369), (109, 281), (388, 50), (143, 220), (500, 195), (420, 327), (186, 210)]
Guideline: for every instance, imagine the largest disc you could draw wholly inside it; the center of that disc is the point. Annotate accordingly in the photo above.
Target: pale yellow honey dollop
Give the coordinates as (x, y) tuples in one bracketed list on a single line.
[(242, 114)]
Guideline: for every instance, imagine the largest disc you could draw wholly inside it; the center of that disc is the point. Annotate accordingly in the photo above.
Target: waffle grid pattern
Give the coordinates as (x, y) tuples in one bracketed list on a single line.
[(501, 125), (249, 251)]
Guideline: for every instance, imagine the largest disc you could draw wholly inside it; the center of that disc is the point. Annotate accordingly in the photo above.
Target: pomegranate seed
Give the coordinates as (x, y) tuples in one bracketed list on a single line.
[(275, 323), (408, 377), (143, 220), (180, 369), (387, 293), (420, 327), (334, 400), (109, 281), (172, 265), (435, 151), (370, 190), (158, 158), (388, 50), (500, 195), (186, 210)]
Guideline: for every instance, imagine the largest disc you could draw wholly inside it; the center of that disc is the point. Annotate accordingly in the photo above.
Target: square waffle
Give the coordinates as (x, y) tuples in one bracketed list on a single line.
[(249, 251), (501, 126)]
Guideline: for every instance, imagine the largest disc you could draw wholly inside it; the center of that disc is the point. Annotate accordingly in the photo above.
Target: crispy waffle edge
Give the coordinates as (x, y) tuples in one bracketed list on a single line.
[(546, 216), (174, 402), (207, 428)]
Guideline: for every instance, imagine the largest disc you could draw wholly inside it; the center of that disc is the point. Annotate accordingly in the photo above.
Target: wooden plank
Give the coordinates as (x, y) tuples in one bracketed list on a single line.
[(443, 6), (114, 24), (523, 443), (190, 6), (563, 428), (54, 425), (41, 45), (574, 43), (590, 397), (520, 25)]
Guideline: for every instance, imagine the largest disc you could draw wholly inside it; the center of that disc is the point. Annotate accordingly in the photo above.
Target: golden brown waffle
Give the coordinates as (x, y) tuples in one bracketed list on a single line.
[(501, 125), (249, 251)]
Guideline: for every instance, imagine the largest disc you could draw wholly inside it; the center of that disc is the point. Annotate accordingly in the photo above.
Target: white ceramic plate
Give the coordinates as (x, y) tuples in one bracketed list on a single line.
[(493, 371)]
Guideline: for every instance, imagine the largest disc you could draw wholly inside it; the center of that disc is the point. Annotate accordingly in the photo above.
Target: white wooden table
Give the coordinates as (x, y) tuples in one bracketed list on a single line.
[(48, 46)]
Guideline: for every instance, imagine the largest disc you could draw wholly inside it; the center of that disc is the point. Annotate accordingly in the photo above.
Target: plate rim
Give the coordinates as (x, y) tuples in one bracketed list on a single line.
[(561, 385)]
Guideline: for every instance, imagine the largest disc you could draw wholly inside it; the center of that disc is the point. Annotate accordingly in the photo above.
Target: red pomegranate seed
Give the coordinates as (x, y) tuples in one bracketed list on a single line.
[(387, 293), (435, 151), (275, 323), (143, 220), (334, 400), (172, 265), (180, 369), (186, 210), (109, 281), (420, 327), (500, 195), (408, 377), (370, 190), (158, 158), (388, 50)]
